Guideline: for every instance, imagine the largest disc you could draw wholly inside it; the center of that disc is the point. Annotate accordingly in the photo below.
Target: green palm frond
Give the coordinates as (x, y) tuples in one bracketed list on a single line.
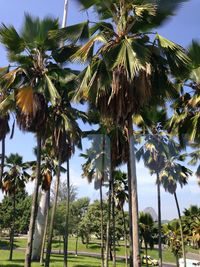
[(11, 39), (7, 104), (54, 95), (143, 10), (35, 31), (86, 51), (71, 33), (176, 56)]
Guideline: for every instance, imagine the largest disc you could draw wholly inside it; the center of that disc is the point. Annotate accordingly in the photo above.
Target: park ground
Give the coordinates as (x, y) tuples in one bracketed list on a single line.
[(74, 261)]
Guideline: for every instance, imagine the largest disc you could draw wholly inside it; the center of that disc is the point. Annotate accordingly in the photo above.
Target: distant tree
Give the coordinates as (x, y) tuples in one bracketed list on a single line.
[(22, 212), (191, 224), (62, 193), (173, 238), (77, 211), (146, 229)]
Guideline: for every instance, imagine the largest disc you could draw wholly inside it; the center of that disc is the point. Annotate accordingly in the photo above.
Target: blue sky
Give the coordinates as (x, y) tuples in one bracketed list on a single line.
[(182, 28)]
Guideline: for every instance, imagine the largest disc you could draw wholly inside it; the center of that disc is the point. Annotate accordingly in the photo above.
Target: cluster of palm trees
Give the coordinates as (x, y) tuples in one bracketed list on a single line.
[(130, 73)]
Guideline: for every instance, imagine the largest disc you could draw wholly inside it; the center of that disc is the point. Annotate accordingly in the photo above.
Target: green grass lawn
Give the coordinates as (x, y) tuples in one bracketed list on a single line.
[(56, 261), (94, 246)]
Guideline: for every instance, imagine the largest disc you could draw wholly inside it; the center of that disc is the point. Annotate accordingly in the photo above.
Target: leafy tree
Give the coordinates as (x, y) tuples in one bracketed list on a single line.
[(22, 212)]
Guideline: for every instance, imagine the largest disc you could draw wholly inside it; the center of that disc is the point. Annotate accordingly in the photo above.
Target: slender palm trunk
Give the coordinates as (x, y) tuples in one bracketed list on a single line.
[(45, 232), (67, 218), (34, 207), (102, 239), (125, 237), (159, 222), (76, 250), (2, 158), (108, 225), (181, 229), (146, 253), (12, 232), (133, 196), (130, 218), (177, 261), (49, 244), (40, 225), (113, 226)]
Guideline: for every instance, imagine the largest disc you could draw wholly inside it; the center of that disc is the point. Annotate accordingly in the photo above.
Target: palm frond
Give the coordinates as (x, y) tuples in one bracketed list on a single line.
[(11, 39), (176, 56), (71, 33), (54, 95)]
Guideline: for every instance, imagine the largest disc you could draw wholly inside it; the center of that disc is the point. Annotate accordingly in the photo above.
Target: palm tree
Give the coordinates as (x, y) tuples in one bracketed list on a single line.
[(65, 135), (186, 119), (97, 167), (28, 88), (4, 126), (153, 154), (172, 175), (14, 179), (48, 170), (127, 70), (146, 227)]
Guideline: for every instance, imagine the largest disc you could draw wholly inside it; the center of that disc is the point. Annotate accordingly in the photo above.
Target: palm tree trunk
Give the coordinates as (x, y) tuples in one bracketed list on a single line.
[(67, 218), (133, 196), (108, 225), (177, 261), (49, 244), (102, 239), (2, 158), (113, 220), (146, 252), (159, 222), (125, 237), (45, 232), (130, 218), (12, 233), (181, 228), (34, 207), (76, 250), (40, 225)]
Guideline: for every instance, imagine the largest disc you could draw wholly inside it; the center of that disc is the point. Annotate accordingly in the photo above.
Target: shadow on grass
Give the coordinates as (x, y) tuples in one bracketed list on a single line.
[(5, 244), (94, 246), (11, 265)]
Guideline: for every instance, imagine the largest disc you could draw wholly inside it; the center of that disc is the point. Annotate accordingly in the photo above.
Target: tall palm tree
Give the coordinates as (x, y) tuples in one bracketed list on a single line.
[(48, 170), (153, 154), (29, 90), (65, 134), (171, 176), (127, 70), (97, 168), (14, 179)]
